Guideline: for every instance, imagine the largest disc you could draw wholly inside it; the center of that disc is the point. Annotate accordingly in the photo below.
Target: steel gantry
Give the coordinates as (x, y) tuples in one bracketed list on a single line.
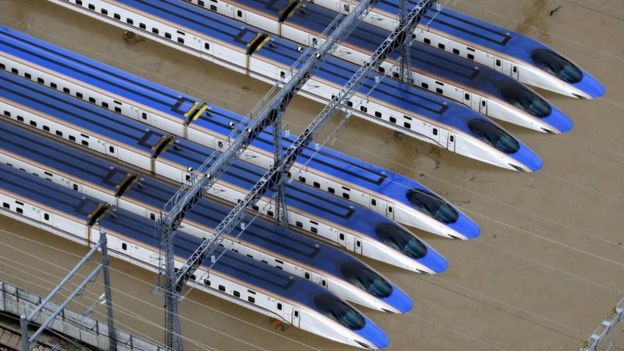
[(276, 175), (270, 112)]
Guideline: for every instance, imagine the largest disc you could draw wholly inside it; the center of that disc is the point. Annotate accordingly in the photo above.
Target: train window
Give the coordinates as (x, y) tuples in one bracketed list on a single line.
[(299, 224), (75, 187), (213, 7), (142, 26), (424, 85), (363, 109), (378, 114), (514, 69), (470, 56), (19, 210), (168, 35), (91, 7), (236, 293), (307, 275), (78, 2), (14, 71), (483, 103), (526, 100), (40, 80), (7, 113), (452, 138), (350, 103), (206, 46), (129, 21), (323, 282), (498, 62), (392, 120), (46, 216), (181, 40), (152, 216), (279, 306), (46, 128), (104, 12), (111, 149), (339, 311), (441, 46), (155, 30), (317, 184), (296, 313), (104, 104), (221, 288), (20, 118), (381, 70), (313, 222), (302, 179), (5, 205), (331, 190), (2, 66), (124, 246), (456, 51), (117, 109), (79, 95), (270, 213), (365, 278), (181, 32), (72, 138), (435, 131), (427, 41), (255, 207), (206, 282), (59, 133), (401, 240), (251, 299), (556, 65), (407, 125), (33, 123), (239, 13), (345, 195), (358, 243), (92, 100), (264, 261), (373, 202), (439, 91), (390, 209), (27, 75), (143, 115), (53, 85), (66, 90), (117, 16), (279, 267), (494, 135), (467, 96), (314, 230), (341, 236), (200, 3)]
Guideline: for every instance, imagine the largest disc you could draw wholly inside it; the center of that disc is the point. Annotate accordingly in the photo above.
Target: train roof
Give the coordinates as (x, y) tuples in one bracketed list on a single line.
[(175, 103), (184, 152), (335, 70), (144, 230)]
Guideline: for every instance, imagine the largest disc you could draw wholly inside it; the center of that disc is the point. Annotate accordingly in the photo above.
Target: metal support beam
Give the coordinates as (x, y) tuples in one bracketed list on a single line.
[(203, 178), (102, 266), (605, 327), (281, 210), (275, 175)]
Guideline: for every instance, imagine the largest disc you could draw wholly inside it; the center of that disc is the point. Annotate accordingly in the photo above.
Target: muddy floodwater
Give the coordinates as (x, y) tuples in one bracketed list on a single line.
[(546, 270)]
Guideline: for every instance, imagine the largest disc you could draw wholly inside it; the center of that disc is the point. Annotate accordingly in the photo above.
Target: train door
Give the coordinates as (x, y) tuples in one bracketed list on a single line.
[(514, 72), (110, 150), (341, 239), (295, 318), (483, 107), (285, 310), (239, 14), (349, 244), (389, 211), (447, 140), (358, 246)]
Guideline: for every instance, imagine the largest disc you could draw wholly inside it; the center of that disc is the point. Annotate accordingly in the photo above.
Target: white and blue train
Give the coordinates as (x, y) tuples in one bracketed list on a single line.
[(484, 90), (124, 140), (409, 110), (235, 278), (339, 272), (516, 55), (388, 193)]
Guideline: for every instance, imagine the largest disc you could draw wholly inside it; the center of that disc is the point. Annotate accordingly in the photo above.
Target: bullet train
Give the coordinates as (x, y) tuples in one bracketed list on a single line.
[(124, 140), (399, 198), (235, 278), (476, 86), (339, 272), (406, 109), (516, 55)]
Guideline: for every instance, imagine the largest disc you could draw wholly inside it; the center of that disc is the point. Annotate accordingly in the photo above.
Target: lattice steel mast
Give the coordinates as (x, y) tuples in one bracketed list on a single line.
[(276, 174), (206, 175)]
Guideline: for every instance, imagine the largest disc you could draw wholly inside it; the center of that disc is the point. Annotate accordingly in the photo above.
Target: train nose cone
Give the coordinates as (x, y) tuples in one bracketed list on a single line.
[(559, 121), (530, 161), (466, 227), (591, 86), (434, 262), (374, 335), (399, 300)]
